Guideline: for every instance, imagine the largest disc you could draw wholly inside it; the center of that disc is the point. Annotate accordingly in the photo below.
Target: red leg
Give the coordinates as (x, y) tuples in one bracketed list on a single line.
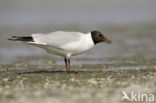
[(67, 63)]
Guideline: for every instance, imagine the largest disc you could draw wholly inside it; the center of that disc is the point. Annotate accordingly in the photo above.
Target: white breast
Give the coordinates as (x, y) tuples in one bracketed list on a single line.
[(78, 47)]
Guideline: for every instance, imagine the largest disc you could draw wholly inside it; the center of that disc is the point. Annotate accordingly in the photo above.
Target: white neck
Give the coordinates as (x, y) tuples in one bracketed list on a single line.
[(89, 41)]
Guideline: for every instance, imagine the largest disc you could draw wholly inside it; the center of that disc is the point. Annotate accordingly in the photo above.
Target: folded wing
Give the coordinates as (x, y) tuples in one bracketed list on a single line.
[(56, 39)]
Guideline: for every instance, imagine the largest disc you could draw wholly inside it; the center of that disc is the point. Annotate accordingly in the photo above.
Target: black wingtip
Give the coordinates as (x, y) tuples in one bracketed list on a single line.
[(16, 38)]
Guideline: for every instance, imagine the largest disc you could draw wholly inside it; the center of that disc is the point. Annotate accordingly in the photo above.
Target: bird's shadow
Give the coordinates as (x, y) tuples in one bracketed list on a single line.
[(45, 72), (39, 72)]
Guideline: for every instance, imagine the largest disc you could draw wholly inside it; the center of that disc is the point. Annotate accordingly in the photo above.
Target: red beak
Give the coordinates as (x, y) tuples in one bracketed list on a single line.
[(107, 41)]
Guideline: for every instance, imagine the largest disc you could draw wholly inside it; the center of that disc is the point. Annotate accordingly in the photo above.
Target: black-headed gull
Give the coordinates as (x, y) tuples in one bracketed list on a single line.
[(64, 43)]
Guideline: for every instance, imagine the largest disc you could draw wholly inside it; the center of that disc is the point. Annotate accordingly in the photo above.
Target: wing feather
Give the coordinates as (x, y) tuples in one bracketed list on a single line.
[(56, 39)]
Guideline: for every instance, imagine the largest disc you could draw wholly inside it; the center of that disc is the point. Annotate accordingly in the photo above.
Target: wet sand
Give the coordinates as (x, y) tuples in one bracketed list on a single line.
[(23, 84)]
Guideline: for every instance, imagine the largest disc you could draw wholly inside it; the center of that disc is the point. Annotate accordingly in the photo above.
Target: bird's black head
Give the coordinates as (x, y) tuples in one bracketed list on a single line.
[(99, 37)]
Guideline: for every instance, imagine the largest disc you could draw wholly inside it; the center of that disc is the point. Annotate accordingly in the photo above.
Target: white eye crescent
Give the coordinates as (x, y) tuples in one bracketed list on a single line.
[(98, 35)]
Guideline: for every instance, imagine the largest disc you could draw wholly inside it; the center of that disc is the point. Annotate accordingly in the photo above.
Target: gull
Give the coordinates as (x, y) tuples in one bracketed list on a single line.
[(63, 43)]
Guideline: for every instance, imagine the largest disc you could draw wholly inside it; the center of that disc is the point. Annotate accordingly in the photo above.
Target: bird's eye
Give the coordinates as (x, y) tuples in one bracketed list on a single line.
[(98, 35)]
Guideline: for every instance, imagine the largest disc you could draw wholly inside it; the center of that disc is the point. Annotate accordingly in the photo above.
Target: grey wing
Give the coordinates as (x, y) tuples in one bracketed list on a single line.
[(56, 39)]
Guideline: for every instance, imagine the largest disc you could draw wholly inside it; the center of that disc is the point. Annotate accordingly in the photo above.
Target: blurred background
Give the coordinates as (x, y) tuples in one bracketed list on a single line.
[(30, 75), (130, 24), (88, 13)]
